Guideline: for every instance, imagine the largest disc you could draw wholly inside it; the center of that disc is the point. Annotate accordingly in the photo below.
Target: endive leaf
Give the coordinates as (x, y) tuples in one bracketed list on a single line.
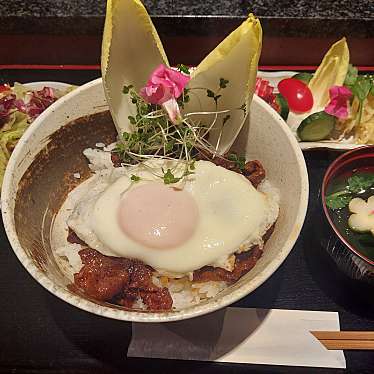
[(331, 72), (235, 59), (131, 50)]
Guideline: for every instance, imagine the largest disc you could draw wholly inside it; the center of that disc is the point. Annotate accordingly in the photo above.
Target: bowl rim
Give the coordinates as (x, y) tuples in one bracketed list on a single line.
[(330, 173), (135, 316)]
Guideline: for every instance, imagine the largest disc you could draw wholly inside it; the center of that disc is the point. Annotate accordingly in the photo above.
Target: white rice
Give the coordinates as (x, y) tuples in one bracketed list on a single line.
[(70, 251), (183, 290)]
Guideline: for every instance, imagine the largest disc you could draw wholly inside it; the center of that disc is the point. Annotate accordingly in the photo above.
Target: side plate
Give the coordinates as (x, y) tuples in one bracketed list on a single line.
[(274, 78)]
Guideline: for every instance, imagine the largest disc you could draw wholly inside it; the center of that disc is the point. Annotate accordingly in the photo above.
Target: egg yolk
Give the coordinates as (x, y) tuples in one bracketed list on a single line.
[(158, 216)]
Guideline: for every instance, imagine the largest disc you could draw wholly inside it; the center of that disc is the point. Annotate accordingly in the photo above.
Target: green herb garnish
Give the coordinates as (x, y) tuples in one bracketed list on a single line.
[(215, 95), (361, 86), (135, 178), (132, 120), (338, 200), (169, 177), (185, 98), (226, 118), (239, 160), (183, 68), (223, 82), (351, 76), (244, 108), (126, 89), (154, 136), (356, 184)]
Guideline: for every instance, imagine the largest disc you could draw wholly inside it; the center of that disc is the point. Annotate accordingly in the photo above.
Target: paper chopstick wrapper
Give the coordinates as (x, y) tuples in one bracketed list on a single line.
[(242, 335)]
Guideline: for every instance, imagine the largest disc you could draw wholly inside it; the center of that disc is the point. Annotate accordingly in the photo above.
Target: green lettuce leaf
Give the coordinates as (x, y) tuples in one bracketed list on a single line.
[(19, 90), (9, 139)]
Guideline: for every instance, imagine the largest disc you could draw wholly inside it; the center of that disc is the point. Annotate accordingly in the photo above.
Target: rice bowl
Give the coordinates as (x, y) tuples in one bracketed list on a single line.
[(33, 245)]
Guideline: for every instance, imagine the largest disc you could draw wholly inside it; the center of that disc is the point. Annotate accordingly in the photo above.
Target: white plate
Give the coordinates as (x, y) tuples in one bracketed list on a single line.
[(274, 78)]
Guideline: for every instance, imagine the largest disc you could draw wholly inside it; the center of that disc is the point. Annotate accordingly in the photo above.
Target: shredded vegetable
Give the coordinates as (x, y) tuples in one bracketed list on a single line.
[(19, 106)]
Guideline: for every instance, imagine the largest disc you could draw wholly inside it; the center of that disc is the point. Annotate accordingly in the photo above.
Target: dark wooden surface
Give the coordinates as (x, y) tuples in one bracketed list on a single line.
[(189, 50), (40, 333), (294, 32), (178, 17)]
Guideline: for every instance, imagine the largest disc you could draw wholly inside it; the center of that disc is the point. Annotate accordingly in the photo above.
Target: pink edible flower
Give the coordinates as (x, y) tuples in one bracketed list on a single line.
[(163, 88), (6, 105), (338, 105)]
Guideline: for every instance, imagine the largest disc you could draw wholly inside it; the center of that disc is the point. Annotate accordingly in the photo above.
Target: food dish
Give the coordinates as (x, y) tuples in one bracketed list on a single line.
[(20, 105), (171, 217), (348, 195), (65, 159), (159, 227), (274, 78), (330, 108), (348, 180)]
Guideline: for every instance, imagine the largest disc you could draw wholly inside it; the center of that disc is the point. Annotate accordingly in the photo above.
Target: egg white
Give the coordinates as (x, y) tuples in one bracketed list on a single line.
[(233, 216)]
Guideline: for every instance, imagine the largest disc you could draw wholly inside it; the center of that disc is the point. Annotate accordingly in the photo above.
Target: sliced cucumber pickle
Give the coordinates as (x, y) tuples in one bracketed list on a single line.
[(305, 77), (283, 106), (317, 126)]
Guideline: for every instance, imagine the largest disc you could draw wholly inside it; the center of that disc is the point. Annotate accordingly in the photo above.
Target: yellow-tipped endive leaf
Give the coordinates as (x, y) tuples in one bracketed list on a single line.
[(331, 72), (131, 50), (236, 60)]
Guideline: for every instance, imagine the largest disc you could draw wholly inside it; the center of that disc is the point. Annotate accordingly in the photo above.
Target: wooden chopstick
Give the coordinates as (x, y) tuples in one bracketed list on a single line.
[(358, 340)]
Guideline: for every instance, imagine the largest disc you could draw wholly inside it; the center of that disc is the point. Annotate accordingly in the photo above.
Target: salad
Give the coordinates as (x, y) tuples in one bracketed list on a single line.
[(334, 104), (19, 107)]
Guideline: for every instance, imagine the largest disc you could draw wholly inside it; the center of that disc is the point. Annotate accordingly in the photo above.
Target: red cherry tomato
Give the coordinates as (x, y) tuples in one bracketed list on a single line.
[(297, 94), (4, 87)]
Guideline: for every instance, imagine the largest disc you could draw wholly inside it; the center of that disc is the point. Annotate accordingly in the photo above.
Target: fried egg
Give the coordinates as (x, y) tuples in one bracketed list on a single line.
[(175, 228)]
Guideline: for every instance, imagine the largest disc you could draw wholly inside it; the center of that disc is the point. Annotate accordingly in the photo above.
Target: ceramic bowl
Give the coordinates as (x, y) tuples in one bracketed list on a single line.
[(354, 263), (41, 171)]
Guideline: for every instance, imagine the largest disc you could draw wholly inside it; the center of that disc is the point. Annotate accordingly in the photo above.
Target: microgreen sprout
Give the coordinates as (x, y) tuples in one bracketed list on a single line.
[(153, 136), (225, 119), (223, 82), (215, 95), (239, 160), (183, 69), (170, 178), (243, 108), (126, 89), (135, 178)]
